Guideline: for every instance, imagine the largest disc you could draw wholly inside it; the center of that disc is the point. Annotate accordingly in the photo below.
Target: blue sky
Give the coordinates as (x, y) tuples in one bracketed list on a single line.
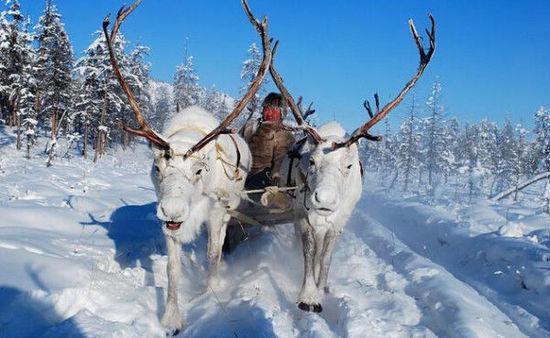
[(493, 57)]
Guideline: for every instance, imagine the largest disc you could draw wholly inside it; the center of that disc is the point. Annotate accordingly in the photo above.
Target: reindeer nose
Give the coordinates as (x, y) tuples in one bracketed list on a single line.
[(325, 198), (172, 210)]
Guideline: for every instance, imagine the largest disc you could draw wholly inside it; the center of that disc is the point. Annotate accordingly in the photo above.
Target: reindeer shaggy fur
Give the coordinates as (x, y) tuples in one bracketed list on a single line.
[(194, 191), (329, 186)]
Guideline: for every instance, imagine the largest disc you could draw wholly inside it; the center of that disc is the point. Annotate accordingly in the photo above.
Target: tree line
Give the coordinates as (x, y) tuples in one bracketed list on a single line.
[(429, 151)]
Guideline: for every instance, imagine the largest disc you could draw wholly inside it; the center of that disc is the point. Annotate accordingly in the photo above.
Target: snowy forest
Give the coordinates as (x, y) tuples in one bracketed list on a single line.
[(430, 149), (450, 236), (73, 98)]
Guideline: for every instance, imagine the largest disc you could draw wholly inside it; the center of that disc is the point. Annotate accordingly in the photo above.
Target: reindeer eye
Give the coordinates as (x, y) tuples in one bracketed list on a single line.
[(311, 162), (349, 166), (157, 169), (198, 172)]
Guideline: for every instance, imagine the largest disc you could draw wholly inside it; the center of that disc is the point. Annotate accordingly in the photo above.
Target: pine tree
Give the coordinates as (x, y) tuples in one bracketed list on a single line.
[(452, 143), (506, 155), (100, 102), (161, 102), (26, 102), (248, 74), (542, 138), (487, 150), (54, 72), (388, 154), (470, 159), (137, 77), (14, 50), (4, 67), (215, 102), (434, 137), (187, 91), (407, 148), (521, 157)]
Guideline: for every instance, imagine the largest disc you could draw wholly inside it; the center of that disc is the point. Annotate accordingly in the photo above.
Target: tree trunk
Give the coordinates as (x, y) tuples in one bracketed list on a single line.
[(546, 197), (85, 147), (125, 140), (18, 139), (97, 145), (521, 186), (29, 143), (101, 137), (37, 105)]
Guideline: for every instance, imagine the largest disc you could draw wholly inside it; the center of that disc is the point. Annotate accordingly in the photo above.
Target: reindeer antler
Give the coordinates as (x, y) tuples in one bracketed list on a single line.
[(144, 130), (425, 57), (261, 27), (296, 111), (309, 111)]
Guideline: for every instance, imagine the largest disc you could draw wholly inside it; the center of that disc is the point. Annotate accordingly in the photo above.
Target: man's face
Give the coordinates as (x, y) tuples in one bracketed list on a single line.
[(272, 114)]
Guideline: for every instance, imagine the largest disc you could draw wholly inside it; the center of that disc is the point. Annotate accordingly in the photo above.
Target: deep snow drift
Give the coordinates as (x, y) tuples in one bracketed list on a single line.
[(83, 255)]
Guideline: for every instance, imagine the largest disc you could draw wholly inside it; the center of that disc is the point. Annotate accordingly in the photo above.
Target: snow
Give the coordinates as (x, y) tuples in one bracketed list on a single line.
[(82, 254), (514, 230)]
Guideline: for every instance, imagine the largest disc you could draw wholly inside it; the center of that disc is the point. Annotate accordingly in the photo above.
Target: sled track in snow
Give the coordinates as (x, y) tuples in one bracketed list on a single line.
[(456, 304)]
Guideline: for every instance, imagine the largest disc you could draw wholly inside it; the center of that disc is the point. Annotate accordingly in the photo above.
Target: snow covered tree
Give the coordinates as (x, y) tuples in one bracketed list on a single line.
[(452, 144), (101, 102), (520, 166), (16, 54), (26, 103), (434, 143), (162, 106), (101, 106), (54, 72), (187, 91), (407, 147), (4, 68), (88, 100), (248, 72), (470, 159), (505, 156), (215, 102), (137, 77), (542, 138), (487, 150), (388, 153)]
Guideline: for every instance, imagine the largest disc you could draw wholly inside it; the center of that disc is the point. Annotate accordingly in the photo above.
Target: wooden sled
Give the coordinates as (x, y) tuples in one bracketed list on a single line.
[(252, 214)]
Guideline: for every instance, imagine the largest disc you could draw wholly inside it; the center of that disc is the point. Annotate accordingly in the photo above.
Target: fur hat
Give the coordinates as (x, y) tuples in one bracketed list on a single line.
[(274, 100)]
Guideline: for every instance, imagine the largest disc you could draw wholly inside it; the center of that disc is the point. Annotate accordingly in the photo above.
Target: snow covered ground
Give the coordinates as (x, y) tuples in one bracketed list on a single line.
[(82, 255)]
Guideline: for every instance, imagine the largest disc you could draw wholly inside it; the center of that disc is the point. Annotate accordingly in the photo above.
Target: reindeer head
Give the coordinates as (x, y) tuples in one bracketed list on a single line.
[(330, 175), (180, 169), (179, 180)]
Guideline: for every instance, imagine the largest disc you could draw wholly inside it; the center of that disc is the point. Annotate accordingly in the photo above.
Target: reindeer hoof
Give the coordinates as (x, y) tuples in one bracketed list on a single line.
[(172, 332), (317, 308), (310, 307)]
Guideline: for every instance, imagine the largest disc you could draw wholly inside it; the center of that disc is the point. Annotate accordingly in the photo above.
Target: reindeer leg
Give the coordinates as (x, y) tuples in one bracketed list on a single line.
[(325, 259), (217, 226), (308, 300), (172, 319)]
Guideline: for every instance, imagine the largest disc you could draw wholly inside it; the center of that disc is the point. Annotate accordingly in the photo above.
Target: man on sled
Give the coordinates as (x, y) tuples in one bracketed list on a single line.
[(269, 141)]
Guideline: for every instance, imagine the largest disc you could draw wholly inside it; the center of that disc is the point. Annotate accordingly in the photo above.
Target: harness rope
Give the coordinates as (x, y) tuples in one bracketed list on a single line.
[(219, 151)]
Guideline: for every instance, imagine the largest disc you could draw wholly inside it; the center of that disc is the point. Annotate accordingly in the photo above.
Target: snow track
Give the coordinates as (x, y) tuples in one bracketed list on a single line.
[(82, 255), (508, 276), (451, 308)]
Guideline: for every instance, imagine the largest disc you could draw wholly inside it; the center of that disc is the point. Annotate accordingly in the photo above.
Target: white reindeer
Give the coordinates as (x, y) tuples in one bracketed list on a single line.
[(199, 171), (326, 169)]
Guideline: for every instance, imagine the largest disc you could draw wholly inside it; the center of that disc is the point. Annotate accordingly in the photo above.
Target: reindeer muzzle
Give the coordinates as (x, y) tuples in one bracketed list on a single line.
[(173, 225)]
